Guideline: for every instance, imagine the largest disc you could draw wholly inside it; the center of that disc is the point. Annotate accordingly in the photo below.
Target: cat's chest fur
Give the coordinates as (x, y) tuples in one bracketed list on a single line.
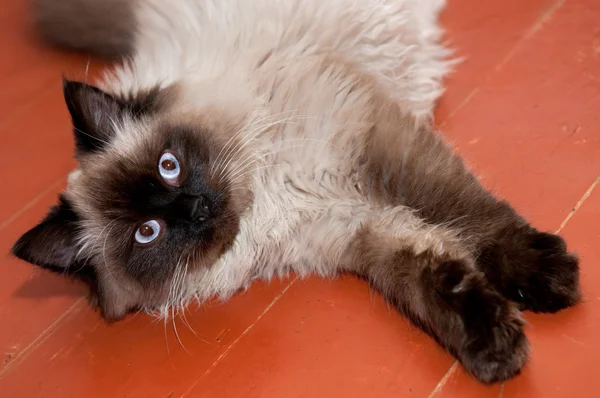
[(303, 168)]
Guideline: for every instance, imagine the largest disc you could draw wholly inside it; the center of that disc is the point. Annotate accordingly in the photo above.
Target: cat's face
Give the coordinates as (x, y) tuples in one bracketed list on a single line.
[(153, 197)]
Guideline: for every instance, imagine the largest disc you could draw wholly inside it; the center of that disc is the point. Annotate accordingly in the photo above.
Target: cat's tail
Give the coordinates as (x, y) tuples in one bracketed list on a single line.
[(105, 28)]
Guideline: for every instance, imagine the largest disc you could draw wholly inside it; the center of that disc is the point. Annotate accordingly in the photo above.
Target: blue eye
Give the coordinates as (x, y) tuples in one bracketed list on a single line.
[(147, 232), (168, 167)]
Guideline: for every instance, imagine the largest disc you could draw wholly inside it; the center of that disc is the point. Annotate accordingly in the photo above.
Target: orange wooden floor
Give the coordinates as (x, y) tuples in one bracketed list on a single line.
[(524, 109)]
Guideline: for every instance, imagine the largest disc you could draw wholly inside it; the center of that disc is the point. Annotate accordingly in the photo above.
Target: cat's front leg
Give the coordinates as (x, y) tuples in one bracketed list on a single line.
[(408, 164), (443, 292), (426, 272)]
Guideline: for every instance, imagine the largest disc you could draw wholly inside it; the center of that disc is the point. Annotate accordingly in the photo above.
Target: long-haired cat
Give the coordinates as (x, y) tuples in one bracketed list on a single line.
[(249, 139)]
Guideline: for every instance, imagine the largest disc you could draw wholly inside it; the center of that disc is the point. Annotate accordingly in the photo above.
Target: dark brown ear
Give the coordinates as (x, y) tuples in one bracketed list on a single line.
[(93, 113), (52, 243)]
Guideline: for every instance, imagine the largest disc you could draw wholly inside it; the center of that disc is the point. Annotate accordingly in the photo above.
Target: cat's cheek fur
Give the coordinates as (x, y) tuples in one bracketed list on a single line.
[(115, 301)]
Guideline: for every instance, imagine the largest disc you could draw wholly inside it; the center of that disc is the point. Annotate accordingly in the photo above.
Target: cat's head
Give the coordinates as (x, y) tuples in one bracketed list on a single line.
[(155, 189)]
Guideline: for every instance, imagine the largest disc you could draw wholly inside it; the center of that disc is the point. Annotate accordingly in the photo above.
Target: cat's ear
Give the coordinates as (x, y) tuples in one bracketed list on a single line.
[(93, 113), (52, 244)]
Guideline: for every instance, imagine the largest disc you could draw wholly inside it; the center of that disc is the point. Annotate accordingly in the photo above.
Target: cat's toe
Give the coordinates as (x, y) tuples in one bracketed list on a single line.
[(535, 270), (494, 347), (552, 282), (498, 351)]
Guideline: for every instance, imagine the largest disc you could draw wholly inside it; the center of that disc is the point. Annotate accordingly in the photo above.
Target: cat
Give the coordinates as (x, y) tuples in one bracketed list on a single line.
[(242, 140)]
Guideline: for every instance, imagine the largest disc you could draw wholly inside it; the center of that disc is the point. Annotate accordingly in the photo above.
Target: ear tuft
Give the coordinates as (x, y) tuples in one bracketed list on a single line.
[(92, 113)]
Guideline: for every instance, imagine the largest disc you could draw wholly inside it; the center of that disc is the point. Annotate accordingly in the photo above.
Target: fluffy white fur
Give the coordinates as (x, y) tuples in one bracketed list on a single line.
[(300, 74)]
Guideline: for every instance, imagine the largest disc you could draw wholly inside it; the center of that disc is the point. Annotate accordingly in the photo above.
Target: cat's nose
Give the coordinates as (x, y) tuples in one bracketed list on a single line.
[(195, 208)]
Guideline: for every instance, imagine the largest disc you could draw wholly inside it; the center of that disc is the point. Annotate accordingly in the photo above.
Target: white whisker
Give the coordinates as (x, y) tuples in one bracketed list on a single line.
[(176, 332), (257, 131), (253, 159), (240, 131), (89, 135)]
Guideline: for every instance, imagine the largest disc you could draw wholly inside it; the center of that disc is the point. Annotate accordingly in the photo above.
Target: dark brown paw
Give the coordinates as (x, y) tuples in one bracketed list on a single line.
[(497, 349), (535, 270), (553, 280), (494, 347)]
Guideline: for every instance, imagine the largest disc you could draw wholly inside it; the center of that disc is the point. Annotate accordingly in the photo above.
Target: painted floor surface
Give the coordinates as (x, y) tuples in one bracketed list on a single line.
[(523, 108)]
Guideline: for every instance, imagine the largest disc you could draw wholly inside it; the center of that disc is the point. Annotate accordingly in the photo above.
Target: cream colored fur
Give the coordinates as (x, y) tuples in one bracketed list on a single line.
[(301, 76)]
